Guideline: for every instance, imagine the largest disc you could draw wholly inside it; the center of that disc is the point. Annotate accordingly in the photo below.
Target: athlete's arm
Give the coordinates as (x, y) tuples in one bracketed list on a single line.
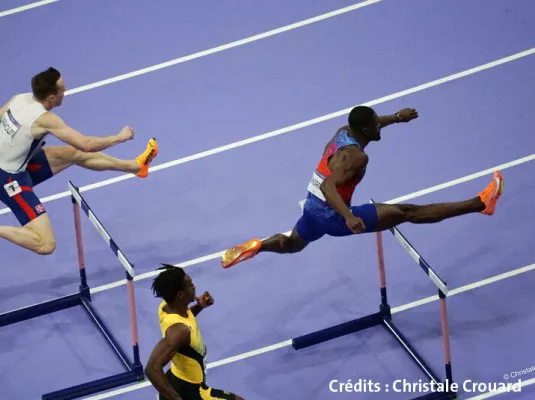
[(351, 160), (176, 336), (56, 126), (196, 309), (405, 115), (206, 300), (385, 120)]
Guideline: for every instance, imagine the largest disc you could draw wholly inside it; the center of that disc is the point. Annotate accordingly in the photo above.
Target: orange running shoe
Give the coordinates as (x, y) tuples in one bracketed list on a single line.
[(492, 193), (240, 253), (146, 157)]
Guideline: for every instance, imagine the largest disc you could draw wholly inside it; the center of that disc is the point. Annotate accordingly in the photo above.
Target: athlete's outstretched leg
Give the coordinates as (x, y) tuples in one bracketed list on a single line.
[(283, 244), (308, 229), (62, 157), (391, 215), (279, 243)]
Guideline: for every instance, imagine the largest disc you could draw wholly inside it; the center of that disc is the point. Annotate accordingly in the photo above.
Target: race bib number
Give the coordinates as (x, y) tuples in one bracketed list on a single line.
[(8, 124), (12, 188), (314, 186)]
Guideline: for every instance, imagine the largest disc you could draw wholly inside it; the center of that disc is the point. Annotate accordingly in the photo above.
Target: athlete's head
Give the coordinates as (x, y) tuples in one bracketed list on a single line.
[(365, 121), (174, 286), (48, 88)]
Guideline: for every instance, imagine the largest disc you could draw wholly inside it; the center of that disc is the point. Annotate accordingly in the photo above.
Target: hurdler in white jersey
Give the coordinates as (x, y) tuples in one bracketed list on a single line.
[(18, 142), (25, 121)]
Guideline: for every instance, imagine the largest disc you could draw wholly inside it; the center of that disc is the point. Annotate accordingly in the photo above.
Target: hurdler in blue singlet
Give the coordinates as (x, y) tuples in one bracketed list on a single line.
[(319, 218)]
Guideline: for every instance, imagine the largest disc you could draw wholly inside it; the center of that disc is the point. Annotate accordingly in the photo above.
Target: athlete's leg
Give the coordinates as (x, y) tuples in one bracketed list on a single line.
[(37, 235), (282, 244), (391, 215), (61, 157), (307, 230), (35, 232)]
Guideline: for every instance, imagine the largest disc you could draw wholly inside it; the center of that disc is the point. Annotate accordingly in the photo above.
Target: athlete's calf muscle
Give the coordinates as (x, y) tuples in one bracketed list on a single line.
[(36, 235)]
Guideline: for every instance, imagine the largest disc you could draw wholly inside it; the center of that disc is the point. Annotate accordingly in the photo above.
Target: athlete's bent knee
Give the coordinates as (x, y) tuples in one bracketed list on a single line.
[(296, 244), (43, 240), (46, 247), (289, 244)]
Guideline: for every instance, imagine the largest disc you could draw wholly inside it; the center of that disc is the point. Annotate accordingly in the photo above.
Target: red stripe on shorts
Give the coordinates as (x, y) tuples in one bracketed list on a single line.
[(22, 203)]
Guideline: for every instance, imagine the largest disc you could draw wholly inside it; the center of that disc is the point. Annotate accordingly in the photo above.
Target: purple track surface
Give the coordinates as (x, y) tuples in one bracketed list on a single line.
[(201, 207)]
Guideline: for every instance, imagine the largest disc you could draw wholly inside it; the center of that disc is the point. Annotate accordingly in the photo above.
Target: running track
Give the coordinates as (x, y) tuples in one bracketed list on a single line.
[(192, 208)]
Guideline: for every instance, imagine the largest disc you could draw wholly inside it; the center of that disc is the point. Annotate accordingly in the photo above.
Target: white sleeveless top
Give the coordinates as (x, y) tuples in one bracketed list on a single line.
[(17, 144)]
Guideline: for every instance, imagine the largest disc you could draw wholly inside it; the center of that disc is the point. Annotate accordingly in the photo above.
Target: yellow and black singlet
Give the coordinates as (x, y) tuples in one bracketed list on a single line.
[(188, 363)]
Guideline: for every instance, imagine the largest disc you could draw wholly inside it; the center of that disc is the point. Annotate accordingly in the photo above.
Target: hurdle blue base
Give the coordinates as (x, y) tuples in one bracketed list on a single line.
[(383, 318), (337, 331), (37, 310), (89, 388), (134, 371)]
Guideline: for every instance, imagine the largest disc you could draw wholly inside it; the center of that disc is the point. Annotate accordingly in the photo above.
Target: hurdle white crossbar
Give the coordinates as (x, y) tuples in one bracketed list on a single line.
[(105, 235), (441, 285)]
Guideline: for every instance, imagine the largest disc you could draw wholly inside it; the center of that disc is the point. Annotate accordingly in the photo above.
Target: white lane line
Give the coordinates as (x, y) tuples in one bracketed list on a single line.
[(409, 196), (292, 128), (394, 310), (223, 47), (26, 7)]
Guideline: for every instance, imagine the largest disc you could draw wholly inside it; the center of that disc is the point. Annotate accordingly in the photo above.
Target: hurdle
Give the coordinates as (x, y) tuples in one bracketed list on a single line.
[(384, 318), (133, 369)]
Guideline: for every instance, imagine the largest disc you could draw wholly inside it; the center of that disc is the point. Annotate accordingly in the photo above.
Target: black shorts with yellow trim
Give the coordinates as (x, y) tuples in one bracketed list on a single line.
[(196, 391)]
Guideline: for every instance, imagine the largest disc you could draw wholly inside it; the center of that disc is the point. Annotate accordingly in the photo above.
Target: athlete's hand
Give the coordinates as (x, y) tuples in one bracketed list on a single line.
[(355, 224), (205, 300), (126, 133), (407, 114)]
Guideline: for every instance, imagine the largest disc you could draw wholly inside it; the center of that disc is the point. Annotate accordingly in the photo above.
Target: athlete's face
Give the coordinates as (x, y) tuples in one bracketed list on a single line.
[(56, 99), (373, 131), (188, 292)]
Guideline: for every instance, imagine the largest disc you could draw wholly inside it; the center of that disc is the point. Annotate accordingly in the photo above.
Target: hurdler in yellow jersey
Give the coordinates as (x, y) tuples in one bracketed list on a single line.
[(182, 343)]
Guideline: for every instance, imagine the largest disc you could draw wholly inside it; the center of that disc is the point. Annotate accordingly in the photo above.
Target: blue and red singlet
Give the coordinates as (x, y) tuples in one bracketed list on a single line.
[(319, 218)]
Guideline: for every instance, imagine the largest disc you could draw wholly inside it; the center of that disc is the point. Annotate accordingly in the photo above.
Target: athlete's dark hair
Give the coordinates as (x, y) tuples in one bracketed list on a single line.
[(168, 282), (45, 83), (360, 116)]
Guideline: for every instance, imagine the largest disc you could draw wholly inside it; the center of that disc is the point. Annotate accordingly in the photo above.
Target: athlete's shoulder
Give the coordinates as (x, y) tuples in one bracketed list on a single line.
[(340, 130), (49, 120)]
